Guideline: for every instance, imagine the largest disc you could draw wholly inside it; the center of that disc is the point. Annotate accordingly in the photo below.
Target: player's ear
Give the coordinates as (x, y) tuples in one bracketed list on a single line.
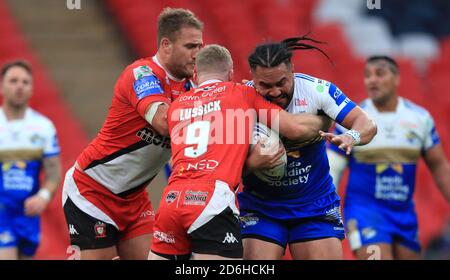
[(397, 80), (230, 75), (165, 45)]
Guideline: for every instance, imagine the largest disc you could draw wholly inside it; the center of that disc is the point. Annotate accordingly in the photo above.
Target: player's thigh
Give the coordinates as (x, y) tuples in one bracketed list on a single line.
[(321, 249), (95, 238), (28, 233), (200, 257), (376, 251), (154, 257), (402, 252), (9, 253), (136, 248), (263, 238), (216, 230), (99, 254), (318, 238), (257, 249)]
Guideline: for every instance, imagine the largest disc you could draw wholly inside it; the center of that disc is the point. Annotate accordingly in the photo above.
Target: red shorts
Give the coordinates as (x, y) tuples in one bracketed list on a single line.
[(91, 205), (197, 218)]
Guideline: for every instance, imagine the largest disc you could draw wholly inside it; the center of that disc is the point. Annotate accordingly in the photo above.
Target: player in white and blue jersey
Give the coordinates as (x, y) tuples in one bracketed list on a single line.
[(301, 209), (379, 209), (28, 142)]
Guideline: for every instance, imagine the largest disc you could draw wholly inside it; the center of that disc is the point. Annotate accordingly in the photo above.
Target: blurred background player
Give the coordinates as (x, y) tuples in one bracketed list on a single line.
[(28, 144), (379, 209), (106, 204), (303, 208), (198, 212)]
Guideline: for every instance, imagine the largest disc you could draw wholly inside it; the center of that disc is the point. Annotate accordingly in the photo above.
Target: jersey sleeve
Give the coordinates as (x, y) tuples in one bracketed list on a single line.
[(332, 101), (51, 144), (266, 111), (431, 134), (143, 87)]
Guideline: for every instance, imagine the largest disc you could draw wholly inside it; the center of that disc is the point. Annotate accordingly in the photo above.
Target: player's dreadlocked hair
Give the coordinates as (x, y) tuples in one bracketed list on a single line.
[(273, 54)]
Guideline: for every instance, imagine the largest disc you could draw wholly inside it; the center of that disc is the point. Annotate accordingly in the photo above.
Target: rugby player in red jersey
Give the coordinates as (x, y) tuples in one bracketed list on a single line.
[(210, 130), (106, 205)]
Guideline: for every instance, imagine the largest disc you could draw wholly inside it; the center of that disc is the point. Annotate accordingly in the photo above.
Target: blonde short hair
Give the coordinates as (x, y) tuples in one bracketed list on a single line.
[(171, 20), (213, 58)]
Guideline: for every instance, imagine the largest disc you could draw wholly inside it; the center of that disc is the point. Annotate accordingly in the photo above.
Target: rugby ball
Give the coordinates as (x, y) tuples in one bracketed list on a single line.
[(270, 143)]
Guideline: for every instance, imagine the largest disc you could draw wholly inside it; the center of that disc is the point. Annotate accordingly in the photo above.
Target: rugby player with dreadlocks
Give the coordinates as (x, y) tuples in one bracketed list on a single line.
[(302, 209)]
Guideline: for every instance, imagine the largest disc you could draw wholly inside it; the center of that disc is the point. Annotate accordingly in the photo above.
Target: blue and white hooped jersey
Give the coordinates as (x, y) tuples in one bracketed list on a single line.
[(307, 173), (23, 145), (384, 171)]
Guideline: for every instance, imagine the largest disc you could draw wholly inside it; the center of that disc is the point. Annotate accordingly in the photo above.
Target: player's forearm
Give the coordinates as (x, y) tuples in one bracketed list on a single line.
[(52, 168), (441, 177), (366, 127), (305, 126), (156, 115)]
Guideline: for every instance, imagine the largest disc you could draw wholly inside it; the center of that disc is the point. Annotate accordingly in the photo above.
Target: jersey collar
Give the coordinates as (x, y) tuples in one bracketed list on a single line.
[(155, 60), (212, 81)]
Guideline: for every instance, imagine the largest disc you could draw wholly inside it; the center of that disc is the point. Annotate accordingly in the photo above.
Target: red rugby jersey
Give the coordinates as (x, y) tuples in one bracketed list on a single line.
[(210, 130)]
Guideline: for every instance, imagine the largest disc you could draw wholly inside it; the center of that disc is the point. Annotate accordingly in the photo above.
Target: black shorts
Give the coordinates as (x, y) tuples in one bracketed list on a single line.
[(220, 236), (87, 232)]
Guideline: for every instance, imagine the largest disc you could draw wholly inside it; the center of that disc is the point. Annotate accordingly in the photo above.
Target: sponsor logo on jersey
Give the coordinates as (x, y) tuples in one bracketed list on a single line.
[(229, 238), (334, 214), (146, 86), (188, 98), (368, 233), (150, 136), (337, 94), (195, 198), (100, 229), (391, 188), (164, 237), (249, 220), (294, 175), (147, 213), (37, 140), (72, 230), (171, 196), (204, 164), (15, 177), (142, 71), (301, 102)]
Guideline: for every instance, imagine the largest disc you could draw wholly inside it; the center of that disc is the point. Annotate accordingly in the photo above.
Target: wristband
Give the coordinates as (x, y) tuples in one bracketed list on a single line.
[(45, 194), (355, 135)]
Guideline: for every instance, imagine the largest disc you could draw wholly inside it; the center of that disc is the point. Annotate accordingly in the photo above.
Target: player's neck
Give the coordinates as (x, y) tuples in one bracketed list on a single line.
[(14, 112), (211, 77), (389, 105)]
